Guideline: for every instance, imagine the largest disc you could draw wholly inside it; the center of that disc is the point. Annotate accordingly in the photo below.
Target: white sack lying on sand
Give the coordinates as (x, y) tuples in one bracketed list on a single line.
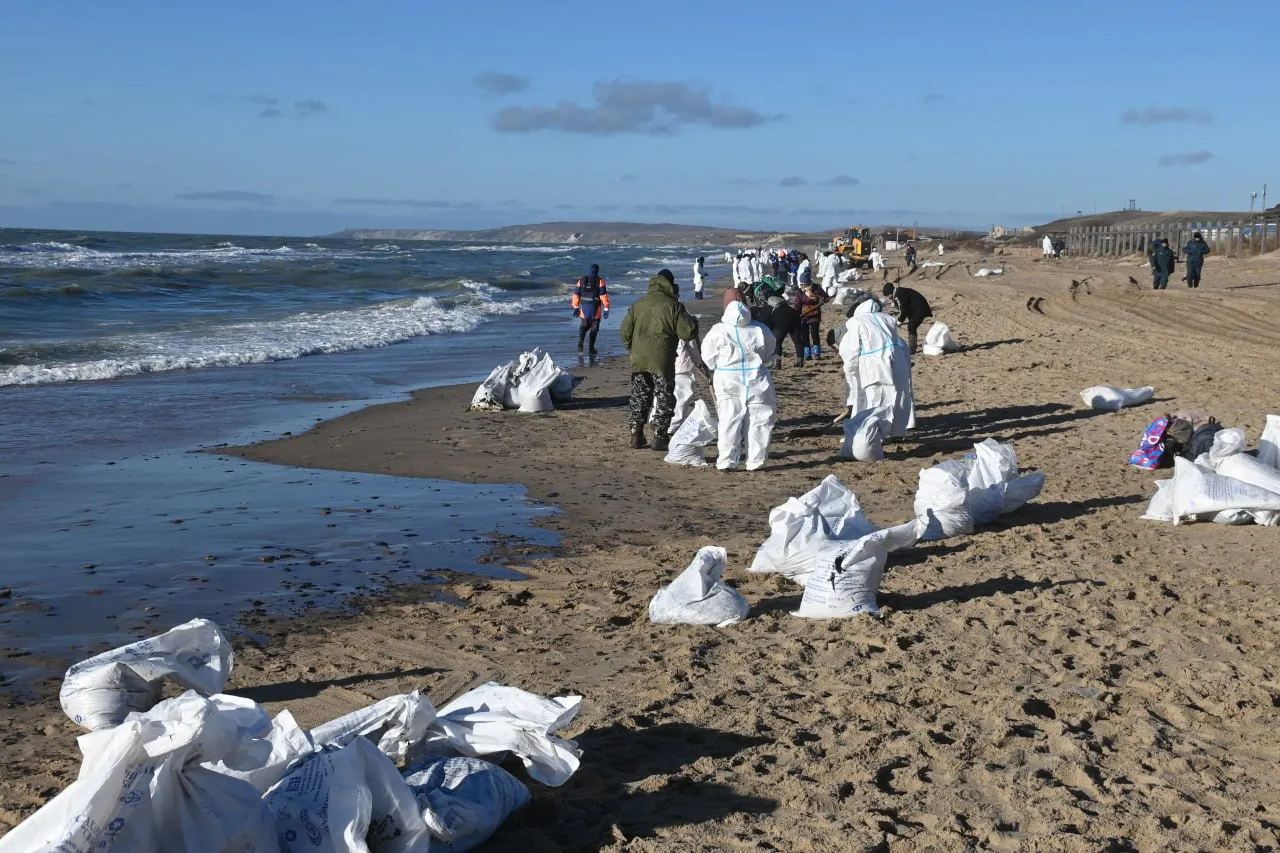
[(531, 383), (939, 340), (1110, 398), (801, 528), (847, 575)]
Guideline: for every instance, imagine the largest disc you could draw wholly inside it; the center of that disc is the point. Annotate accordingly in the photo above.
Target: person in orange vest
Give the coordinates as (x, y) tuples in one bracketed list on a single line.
[(591, 303)]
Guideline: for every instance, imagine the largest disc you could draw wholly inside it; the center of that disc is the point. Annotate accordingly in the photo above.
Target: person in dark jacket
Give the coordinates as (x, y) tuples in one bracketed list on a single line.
[(913, 309), (1193, 253), (591, 303), (911, 258), (1162, 261), (652, 331), (784, 322)]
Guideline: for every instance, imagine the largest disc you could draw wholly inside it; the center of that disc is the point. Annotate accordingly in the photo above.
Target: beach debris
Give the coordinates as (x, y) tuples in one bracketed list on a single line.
[(1225, 485), (697, 431), (864, 434), (465, 800), (1110, 398), (956, 495), (939, 340), (802, 528), (699, 596), (100, 692), (151, 784), (531, 383), (984, 272), (847, 576), (216, 774)]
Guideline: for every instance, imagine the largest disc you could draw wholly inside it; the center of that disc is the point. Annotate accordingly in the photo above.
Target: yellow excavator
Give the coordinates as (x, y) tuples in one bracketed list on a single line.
[(854, 246)]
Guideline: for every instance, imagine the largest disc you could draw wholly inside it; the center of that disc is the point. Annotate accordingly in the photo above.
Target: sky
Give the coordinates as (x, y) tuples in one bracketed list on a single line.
[(304, 117)]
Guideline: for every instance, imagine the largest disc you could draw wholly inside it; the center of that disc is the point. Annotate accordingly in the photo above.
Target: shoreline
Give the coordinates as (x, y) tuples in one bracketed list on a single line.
[(916, 731)]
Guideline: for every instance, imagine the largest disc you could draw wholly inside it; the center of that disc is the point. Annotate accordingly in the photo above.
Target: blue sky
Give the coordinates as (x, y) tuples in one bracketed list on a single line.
[(291, 117)]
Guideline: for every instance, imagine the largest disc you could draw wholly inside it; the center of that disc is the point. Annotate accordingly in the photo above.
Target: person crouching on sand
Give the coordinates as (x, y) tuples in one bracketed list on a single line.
[(652, 331), (739, 350)]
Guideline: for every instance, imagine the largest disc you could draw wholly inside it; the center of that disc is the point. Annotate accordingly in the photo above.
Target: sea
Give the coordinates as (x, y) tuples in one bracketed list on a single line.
[(122, 353)]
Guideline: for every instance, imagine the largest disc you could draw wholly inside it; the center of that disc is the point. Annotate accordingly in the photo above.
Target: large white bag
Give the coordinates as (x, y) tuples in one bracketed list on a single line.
[(698, 596), (942, 501), (464, 800), (994, 485), (535, 376), (494, 719), (348, 800), (1269, 444), (492, 393), (143, 788), (938, 340), (1161, 506), (396, 724), (562, 389), (801, 528), (696, 432), (1109, 398), (101, 691), (1200, 492), (847, 576), (864, 434)]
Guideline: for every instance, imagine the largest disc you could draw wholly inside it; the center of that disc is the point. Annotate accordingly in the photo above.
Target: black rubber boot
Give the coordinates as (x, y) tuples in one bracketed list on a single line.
[(637, 439), (662, 442)]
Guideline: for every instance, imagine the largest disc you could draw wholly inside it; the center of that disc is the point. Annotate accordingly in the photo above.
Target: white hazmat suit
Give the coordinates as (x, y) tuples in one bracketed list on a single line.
[(738, 349), (699, 277), (828, 271), (877, 366), (877, 260), (1048, 246)]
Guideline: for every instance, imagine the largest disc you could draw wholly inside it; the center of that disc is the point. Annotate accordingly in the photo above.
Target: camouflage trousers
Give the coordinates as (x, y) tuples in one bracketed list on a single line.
[(651, 393)]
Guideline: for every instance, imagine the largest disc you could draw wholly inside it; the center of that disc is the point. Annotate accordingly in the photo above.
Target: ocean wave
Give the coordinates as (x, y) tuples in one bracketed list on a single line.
[(511, 247), (67, 256), (281, 339)]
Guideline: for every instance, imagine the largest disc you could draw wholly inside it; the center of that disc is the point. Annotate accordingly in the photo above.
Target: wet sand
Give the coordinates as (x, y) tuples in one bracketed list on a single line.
[(1071, 678)]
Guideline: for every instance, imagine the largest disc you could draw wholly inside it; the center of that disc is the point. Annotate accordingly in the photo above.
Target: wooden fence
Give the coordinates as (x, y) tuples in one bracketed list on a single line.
[(1228, 238)]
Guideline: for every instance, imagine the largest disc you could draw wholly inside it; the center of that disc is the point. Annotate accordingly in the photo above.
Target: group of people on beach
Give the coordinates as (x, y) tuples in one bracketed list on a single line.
[(737, 355), (1163, 260)]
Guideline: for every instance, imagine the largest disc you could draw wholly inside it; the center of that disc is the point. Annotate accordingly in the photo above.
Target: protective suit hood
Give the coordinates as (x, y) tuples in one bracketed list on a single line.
[(736, 314), (867, 306)]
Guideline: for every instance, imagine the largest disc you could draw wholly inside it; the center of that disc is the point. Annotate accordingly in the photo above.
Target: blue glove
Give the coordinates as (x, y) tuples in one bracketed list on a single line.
[(606, 313)]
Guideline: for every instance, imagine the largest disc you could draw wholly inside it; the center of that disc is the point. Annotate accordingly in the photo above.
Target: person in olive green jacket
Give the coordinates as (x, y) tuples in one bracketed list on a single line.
[(651, 332)]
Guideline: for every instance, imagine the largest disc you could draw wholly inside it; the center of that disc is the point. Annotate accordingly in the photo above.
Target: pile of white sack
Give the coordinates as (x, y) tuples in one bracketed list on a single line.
[(214, 773), (1225, 485), (697, 431), (1109, 398), (531, 383), (956, 495), (939, 341)]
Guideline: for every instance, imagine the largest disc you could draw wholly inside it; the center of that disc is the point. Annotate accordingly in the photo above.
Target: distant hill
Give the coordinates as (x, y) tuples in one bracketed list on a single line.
[(593, 233)]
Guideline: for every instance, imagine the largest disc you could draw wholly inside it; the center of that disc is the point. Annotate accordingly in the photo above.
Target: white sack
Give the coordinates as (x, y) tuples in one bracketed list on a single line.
[(464, 800), (142, 787), (984, 272), (1199, 491), (493, 720), (562, 389), (349, 800), (698, 596), (994, 485), (864, 434), (939, 341), (942, 501), (395, 724), (101, 691), (696, 432), (1109, 398), (492, 393), (847, 575), (1161, 506), (1226, 443), (801, 528), (1269, 444)]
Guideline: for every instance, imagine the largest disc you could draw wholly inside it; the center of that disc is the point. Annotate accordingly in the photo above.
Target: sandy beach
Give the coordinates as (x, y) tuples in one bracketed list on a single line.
[(1071, 678)]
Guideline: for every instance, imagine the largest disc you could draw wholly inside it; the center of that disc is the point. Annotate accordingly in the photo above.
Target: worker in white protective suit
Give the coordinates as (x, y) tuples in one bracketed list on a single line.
[(877, 366), (737, 350), (941, 250), (1047, 245), (877, 259), (828, 271), (742, 272), (699, 277)]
